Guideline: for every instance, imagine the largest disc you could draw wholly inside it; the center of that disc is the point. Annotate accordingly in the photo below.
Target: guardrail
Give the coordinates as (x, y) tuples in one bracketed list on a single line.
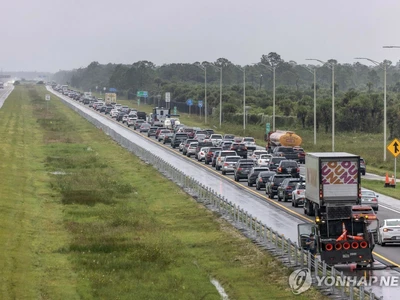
[(287, 251)]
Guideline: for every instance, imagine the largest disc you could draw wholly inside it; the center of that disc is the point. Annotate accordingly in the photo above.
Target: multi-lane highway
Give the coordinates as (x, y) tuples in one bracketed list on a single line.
[(8, 88), (281, 216)]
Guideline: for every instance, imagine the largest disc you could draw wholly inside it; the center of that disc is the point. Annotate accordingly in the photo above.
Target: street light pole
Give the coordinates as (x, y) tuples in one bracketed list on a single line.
[(205, 91), (332, 66), (244, 96), (384, 66), (313, 71), (273, 92), (220, 94)]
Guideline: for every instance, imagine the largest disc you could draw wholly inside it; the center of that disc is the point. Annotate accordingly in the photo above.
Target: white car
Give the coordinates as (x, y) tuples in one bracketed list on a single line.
[(263, 160), (191, 149), (256, 154), (389, 232), (299, 194), (125, 118), (131, 122), (216, 139), (202, 153), (250, 143), (114, 113)]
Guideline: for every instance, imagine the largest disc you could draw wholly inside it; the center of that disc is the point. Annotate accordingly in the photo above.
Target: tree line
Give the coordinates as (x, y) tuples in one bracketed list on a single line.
[(358, 89)]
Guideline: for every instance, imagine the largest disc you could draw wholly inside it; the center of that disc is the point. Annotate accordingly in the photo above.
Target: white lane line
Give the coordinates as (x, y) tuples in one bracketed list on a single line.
[(396, 211), (220, 289)]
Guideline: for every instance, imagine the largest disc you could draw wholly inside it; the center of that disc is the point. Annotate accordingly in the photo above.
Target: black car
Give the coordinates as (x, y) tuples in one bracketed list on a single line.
[(252, 178), (152, 131), (108, 110), (243, 168), (262, 178), (286, 188), (209, 132), (120, 116), (240, 149), (274, 162), (214, 158), (271, 187), (226, 145), (288, 167), (363, 168), (178, 138), (103, 109), (210, 154)]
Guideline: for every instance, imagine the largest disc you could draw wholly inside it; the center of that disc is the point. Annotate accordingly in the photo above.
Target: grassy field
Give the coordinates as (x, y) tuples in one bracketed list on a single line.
[(82, 218)]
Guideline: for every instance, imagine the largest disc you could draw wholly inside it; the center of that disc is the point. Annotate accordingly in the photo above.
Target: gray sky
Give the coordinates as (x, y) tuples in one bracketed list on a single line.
[(49, 35)]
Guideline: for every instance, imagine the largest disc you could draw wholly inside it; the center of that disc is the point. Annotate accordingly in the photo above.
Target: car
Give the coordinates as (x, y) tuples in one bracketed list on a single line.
[(256, 154), (370, 198), (363, 168), (202, 153), (366, 211), (178, 138), (221, 158), (262, 178), (214, 158), (250, 143), (108, 110), (152, 131), (301, 155), (240, 149), (252, 178), (200, 137), (189, 131), (201, 145), (263, 160), (243, 168), (389, 232), (226, 145), (215, 138), (230, 137), (288, 167), (158, 131), (274, 163), (286, 188), (209, 132), (271, 186), (114, 113), (191, 150), (145, 127), (210, 154), (299, 194), (138, 123), (162, 133), (167, 137), (186, 145), (229, 164), (103, 108), (131, 122), (286, 152)]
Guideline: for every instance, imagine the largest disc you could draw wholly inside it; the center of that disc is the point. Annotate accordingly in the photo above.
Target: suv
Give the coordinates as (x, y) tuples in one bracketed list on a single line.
[(271, 187), (229, 164), (363, 168), (288, 167), (243, 168), (287, 152), (286, 188), (301, 155), (209, 155), (152, 131), (262, 178), (252, 178), (274, 163), (250, 143), (215, 139), (186, 144), (240, 149), (178, 138), (202, 145), (221, 157), (191, 149)]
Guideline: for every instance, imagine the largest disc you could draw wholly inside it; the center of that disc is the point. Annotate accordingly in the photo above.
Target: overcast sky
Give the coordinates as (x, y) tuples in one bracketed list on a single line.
[(49, 35)]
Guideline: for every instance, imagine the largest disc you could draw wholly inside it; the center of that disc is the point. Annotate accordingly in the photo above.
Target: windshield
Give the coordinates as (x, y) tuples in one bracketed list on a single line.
[(367, 194), (248, 140), (393, 223), (289, 164), (216, 136), (234, 159)]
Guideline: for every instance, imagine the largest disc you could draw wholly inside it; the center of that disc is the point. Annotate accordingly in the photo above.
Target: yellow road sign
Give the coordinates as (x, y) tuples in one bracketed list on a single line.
[(394, 147)]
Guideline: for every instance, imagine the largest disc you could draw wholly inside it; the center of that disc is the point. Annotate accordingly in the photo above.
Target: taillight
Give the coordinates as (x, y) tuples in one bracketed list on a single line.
[(201, 152), (387, 229), (226, 164), (260, 180), (298, 192), (374, 199), (288, 188), (298, 170), (279, 169), (239, 169)]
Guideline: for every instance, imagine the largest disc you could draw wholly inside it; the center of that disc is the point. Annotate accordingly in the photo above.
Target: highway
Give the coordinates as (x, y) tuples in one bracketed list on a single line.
[(8, 88), (281, 216)]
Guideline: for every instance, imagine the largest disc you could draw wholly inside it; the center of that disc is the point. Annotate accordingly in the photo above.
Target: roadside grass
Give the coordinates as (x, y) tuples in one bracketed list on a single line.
[(136, 235), (31, 218), (378, 186)]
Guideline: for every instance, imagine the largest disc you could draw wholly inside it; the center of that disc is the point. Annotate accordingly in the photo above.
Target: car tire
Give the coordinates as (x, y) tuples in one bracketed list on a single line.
[(257, 187), (284, 198), (376, 209), (236, 179), (223, 172), (217, 168), (294, 202), (173, 147), (279, 198)]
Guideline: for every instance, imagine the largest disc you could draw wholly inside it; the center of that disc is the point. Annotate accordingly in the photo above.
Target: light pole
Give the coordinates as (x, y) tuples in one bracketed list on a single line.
[(332, 66), (220, 94), (313, 71), (383, 65), (205, 90), (244, 96), (273, 92)]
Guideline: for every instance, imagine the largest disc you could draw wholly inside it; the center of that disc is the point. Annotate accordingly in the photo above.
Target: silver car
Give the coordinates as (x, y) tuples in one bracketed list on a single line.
[(370, 198), (221, 158), (191, 150), (229, 164), (263, 160), (389, 232), (202, 153), (299, 194)]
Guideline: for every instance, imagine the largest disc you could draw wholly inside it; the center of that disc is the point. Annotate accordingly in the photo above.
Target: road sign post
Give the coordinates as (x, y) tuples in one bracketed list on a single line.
[(267, 128), (394, 148), (189, 102), (200, 105), (168, 99)]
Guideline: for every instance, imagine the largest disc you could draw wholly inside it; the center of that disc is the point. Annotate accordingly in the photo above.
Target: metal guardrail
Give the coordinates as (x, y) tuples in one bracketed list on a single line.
[(287, 251)]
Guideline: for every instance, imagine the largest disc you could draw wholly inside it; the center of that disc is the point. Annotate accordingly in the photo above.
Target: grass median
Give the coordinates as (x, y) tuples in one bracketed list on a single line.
[(83, 218)]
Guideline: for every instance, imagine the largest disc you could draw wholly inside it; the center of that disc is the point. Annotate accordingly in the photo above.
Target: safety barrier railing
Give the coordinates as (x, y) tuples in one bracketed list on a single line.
[(287, 251)]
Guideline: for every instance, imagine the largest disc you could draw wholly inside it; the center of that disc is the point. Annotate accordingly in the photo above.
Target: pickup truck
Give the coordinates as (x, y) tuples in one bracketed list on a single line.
[(286, 152)]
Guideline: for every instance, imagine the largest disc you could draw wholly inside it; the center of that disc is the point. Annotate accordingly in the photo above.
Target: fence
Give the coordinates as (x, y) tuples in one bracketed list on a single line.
[(287, 251)]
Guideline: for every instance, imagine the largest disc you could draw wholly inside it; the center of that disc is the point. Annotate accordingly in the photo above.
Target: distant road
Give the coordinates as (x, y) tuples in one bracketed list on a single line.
[(8, 88)]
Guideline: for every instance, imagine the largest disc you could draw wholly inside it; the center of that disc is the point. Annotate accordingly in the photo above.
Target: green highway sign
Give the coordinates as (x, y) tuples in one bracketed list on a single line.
[(175, 112), (142, 94), (267, 128)]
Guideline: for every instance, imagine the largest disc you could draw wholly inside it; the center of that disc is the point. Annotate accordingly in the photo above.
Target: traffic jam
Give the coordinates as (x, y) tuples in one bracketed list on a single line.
[(277, 173)]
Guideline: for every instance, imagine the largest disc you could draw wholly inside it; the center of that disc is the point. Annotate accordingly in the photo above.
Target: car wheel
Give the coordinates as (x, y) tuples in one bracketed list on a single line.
[(376, 209), (294, 202), (279, 198), (217, 168), (223, 172), (236, 179), (284, 198), (272, 195), (257, 187), (173, 147), (206, 162)]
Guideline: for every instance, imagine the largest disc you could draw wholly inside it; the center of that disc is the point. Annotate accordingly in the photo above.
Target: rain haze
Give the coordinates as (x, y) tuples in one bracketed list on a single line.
[(49, 35)]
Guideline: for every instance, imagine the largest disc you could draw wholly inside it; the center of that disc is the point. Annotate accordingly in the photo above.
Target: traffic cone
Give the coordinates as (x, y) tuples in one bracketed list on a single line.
[(387, 183), (392, 182)]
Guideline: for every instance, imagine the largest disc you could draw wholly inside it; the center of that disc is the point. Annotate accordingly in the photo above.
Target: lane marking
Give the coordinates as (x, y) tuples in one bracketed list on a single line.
[(225, 177)]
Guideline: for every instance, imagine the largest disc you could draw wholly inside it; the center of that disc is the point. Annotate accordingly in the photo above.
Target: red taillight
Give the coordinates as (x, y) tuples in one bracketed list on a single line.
[(387, 229), (374, 199), (298, 170), (201, 152), (279, 169), (328, 247), (346, 246), (260, 180), (239, 169), (354, 245), (225, 164), (288, 188), (298, 192)]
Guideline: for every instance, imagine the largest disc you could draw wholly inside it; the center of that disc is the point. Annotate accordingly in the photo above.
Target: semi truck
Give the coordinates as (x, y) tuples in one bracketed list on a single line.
[(333, 187), (110, 98), (282, 138), (159, 115)]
